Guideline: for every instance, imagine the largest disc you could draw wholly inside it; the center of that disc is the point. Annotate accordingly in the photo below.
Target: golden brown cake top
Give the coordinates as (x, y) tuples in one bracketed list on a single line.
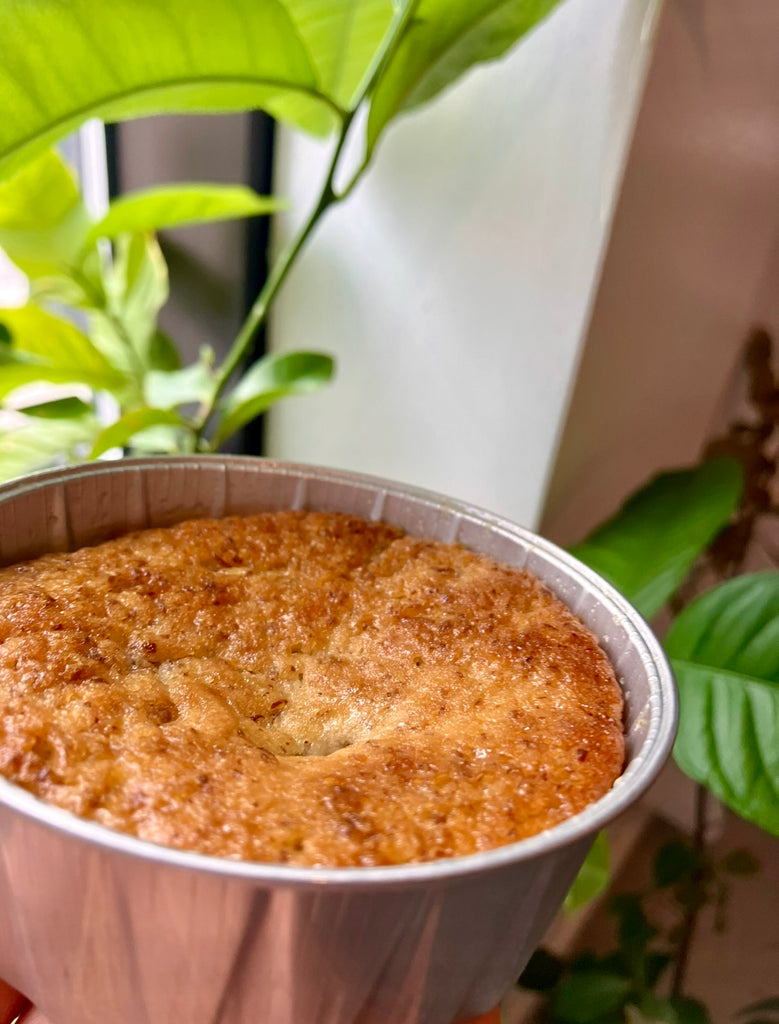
[(305, 688)]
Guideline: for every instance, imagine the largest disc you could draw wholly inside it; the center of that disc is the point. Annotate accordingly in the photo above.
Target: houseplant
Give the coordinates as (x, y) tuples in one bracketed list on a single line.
[(335, 69)]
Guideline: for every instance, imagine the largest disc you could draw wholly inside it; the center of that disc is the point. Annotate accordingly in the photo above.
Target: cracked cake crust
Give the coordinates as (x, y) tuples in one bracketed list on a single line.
[(308, 688)]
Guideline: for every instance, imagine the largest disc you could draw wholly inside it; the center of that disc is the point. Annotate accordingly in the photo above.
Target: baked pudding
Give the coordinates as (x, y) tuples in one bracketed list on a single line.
[(304, 688)]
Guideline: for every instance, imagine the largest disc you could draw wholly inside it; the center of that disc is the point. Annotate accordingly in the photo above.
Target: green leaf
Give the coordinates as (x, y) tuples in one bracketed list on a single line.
[(42, 443), (135, 285), (62, 63), (46, 348), (163, 354), (647, 549), (58, 409), (341, 37), (170, 206), (161, 440), (674, 862), (593, 877), (194, 383), (272, 378), (445, 39), (590, 995), (724, 649), (119, 433), (43, 222)]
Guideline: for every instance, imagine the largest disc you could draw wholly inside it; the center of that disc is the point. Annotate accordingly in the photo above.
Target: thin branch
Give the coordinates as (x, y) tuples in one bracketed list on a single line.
[(327, 197)]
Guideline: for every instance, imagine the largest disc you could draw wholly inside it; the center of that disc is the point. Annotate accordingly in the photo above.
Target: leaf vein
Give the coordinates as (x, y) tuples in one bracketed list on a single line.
[(79, 113)]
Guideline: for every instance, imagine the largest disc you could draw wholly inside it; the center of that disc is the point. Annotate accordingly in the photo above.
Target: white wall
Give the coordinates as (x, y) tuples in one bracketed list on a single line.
[(692, 266), (455, 285)]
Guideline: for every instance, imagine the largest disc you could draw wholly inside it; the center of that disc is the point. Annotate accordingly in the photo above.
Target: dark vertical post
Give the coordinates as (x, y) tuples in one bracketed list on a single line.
[(112, 152), (260, 178)]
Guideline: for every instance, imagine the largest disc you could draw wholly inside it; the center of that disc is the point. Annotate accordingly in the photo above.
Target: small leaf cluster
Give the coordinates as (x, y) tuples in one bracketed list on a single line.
[(724, 650), (630, 984), (311, 63), (723, 646), (90, 327)]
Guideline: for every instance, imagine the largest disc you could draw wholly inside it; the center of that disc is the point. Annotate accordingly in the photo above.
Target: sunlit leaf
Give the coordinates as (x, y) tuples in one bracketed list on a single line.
[(43, 222), (136, 288), (79, 286), (47, 348), (170, 206), (445, 39), (120, 433), (62, 63), (269, 380), (724, 649), (342, 37), (647, 549), (193, 383), (43, 443), (593, 876), (159, 440)]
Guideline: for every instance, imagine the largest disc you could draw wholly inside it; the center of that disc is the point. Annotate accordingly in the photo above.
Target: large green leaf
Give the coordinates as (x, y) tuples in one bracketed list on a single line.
[(647, 549), (43, 222), (173, 205), (63, 62), (445, 39), (268, 381), (724, 649), (45, 347), (342, 37), (41, 443)]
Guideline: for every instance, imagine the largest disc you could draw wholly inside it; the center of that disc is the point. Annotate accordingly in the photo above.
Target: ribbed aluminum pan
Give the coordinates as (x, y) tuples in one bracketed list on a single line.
[(102, 927)]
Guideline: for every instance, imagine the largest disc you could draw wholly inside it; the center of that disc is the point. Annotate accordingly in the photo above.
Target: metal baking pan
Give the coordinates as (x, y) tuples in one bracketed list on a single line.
[(103, 928)]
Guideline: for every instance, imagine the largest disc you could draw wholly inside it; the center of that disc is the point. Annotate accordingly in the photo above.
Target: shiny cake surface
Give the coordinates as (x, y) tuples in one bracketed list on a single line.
[(303, 688)]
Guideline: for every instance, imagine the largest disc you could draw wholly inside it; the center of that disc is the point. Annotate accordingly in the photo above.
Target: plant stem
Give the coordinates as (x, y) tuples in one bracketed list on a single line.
[(693, 908), (327, 197), (240, 347)]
